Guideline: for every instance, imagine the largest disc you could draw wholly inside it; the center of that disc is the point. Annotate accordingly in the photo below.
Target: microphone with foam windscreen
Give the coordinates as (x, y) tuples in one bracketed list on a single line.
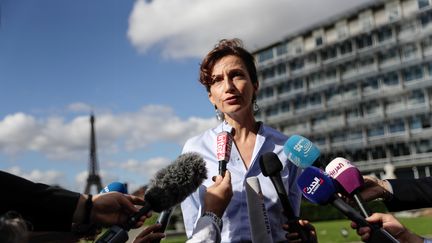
[(258, 218), (115, 187), (271, 167), (223, 150), (318, 188), (169, 187), (300, 151), (350, 179)]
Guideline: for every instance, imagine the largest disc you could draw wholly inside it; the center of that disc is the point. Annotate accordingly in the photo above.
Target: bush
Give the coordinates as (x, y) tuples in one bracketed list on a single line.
[(314, 212)]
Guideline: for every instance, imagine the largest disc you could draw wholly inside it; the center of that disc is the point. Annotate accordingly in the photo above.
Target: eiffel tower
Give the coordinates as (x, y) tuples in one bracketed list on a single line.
[(93, 176)]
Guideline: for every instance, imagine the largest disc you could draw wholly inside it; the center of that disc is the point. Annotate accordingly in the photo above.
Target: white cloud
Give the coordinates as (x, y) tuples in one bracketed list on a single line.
[(79, 107), (57, 138), (50, 177), (189, 28)]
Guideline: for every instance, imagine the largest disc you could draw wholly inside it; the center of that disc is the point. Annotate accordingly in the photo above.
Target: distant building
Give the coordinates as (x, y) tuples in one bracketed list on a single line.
[(358, 85)]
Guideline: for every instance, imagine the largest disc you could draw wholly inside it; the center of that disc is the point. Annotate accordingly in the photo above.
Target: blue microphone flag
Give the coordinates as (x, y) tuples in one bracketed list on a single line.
[(300, 151)]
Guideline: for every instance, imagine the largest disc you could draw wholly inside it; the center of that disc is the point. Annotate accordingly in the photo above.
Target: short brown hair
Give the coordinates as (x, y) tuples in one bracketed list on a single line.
[(226, 47)]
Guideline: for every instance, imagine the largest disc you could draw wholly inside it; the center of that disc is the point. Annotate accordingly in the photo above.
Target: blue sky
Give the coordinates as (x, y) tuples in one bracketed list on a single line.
[(134, 63)]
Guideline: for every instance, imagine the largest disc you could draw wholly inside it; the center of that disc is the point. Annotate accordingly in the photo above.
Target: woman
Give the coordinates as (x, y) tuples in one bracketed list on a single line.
[(229, 75)]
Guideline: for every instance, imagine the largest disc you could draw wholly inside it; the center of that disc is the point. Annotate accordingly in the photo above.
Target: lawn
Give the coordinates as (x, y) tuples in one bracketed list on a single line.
[(330, 231)]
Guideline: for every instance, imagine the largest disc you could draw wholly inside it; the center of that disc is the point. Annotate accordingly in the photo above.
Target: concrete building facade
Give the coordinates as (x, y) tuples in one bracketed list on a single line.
[(358, 85)]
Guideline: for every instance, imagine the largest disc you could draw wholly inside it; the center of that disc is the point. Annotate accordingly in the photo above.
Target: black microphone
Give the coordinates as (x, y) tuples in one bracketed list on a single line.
[(169, 187), (271, 167), (163, 219), (318, 188), (223, 150)]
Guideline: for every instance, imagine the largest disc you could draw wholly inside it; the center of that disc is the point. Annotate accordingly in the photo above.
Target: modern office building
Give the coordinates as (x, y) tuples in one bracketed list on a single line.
[(358, 85)]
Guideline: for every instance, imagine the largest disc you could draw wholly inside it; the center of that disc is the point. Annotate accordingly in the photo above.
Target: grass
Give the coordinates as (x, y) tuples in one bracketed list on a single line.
[(330, 231)]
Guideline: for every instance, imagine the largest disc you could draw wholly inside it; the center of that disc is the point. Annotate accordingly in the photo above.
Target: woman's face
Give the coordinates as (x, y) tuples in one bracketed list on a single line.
[(232, 90)]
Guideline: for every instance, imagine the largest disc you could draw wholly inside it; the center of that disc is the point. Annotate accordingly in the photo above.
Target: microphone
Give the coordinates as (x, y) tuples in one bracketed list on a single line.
[(163, 219), (350, 179), (271, 167), (115, 187), (170, 186), (300, 151), (258, 218), (318, 188), (223, 150)]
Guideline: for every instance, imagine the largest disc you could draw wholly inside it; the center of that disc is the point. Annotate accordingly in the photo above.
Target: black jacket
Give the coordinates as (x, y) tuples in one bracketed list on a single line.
[(47, 208)]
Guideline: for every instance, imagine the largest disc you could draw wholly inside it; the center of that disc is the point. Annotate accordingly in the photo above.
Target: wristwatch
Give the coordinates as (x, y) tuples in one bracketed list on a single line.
[(214, 218)]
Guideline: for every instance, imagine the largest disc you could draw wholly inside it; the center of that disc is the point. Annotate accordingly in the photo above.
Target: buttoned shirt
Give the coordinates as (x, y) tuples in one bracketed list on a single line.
[(235, 219)]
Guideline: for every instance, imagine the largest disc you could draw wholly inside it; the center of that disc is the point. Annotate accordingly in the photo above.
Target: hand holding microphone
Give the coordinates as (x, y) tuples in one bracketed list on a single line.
[(271, 167), (170, 186), (318, 188)]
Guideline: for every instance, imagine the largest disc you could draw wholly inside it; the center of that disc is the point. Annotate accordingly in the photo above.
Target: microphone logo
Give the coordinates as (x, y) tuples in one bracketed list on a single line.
[(223, 143), (335, 170), (313, 187), (304, 145)]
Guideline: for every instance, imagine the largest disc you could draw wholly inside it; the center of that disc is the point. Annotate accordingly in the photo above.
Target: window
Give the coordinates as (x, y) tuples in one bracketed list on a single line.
[(296, 64), (285, 106), (417, 97), (297, 83), (285, 87), (378, 153), (399, 149), (353, 113), (424, 146), (355, 135), (390, 79), (371, 108), (328, 53), (388, 55), (425, 19), (315, 100), (409, 51), (370, 85), (385, 34), (299, 103), (268, 73), (281, 69), (267, 92), (423, 3), (375, 131), (396, 126), (338, 137), (413, 73), (364, 41), (319, 121), (415, 123), (272, 111), (281, 49), (318, 41), (393, 12), (265, 55), (346, 47)]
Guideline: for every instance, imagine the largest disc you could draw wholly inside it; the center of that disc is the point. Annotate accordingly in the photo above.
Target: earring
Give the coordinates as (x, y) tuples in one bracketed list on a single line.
[(256, 108), (220, 116)]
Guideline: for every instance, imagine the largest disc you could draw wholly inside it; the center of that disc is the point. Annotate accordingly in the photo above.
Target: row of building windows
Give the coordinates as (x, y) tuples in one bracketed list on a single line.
[(380, 59), (382, 151), (397, 126), (346, 47), (373, 84)]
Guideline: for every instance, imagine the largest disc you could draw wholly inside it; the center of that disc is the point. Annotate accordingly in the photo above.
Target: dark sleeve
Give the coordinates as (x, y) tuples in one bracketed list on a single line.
[(47, 208), (410, 194)]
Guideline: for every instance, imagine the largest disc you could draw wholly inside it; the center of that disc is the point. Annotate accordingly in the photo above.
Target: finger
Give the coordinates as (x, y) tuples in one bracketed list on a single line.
[(365, 237), (149, 229), (149, 238), (136, 200)]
